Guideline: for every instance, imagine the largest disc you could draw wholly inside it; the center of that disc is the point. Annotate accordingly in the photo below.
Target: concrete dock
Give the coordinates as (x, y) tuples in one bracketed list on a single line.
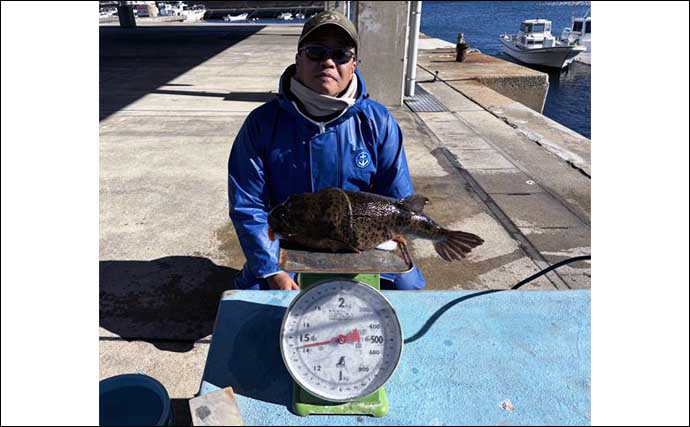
[(522, 84), (172, 100)]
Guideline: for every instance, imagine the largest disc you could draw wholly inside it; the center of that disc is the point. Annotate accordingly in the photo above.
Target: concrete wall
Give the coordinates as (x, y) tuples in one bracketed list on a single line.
[(530, 91), (382, 28)]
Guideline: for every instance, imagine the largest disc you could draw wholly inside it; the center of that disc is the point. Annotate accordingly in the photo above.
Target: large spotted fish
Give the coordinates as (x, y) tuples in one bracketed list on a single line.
[(336, 220)]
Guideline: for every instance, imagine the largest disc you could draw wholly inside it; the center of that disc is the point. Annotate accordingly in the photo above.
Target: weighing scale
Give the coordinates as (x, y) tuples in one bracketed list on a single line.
[(340, 338)]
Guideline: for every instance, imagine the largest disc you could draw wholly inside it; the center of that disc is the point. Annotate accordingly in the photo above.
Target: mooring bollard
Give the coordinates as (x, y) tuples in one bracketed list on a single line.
[(460, 48)]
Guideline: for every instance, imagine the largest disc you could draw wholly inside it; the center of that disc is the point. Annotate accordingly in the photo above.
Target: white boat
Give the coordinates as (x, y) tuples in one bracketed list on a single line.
[(174, 8), (580, 33), (286, 16), (534, 44), (231, 18), (107, 13), (196, 13)]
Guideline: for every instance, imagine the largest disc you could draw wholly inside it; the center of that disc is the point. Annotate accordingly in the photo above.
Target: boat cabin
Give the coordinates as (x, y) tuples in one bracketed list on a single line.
[(535, 33), (579, 23), (535, 26), (579, 32)]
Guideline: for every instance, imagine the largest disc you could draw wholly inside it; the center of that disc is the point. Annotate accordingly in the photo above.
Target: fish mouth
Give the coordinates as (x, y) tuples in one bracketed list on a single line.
[(274, 235), (278, 223)]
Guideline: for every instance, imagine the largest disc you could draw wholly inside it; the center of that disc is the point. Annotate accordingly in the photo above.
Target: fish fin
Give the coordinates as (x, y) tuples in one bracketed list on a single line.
[(455, 245), (415, 202), (400, 239)]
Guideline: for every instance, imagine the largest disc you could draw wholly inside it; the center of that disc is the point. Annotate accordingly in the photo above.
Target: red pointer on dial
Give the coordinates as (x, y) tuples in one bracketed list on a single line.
[(340, 339)]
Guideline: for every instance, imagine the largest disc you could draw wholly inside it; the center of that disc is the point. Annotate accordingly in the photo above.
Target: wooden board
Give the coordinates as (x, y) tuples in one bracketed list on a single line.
[(218, 408)]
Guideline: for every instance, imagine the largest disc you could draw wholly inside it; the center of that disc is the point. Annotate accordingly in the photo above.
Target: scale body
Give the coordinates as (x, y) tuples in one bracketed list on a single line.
[(358, 343)]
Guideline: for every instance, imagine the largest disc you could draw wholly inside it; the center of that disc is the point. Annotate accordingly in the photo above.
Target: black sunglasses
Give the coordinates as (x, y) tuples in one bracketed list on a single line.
[(320, 53)]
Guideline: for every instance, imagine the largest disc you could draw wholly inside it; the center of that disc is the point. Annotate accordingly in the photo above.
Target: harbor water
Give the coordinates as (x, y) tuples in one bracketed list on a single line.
[(482, 22)]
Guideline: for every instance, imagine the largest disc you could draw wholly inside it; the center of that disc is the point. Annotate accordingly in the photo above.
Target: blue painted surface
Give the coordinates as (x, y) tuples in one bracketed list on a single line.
[(527, 347)]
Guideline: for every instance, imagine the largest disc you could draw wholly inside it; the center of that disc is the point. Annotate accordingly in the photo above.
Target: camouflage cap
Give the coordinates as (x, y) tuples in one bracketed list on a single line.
[(329, 17)]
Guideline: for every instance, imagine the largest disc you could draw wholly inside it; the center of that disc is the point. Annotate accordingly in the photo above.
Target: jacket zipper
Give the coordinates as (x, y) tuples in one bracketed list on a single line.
[(322, 130), (339, 161), (321, 125)]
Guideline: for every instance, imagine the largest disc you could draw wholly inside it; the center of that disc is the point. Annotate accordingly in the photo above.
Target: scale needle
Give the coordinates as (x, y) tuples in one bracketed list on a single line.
[(351, 337)]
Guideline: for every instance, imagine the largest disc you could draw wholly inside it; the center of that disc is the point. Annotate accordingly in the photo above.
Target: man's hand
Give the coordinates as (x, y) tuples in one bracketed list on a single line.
[(282, 281)]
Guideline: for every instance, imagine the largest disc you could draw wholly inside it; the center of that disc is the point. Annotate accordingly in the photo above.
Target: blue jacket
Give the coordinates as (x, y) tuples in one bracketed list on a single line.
[(279, 152)]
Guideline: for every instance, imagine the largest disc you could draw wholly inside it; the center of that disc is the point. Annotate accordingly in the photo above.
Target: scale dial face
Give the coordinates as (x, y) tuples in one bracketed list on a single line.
[(341, 340)]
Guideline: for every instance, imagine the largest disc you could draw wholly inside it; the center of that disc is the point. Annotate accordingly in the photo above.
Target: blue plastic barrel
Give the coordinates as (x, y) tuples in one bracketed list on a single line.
[(134, 400)]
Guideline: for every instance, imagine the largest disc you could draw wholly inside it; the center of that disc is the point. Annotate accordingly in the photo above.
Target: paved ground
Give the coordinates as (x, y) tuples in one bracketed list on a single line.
[(172, 101)]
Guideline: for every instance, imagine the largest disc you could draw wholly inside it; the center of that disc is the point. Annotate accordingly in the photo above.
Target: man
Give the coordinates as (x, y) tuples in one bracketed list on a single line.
[(322, 131)]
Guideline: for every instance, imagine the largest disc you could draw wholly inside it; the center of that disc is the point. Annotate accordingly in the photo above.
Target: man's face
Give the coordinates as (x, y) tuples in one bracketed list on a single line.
[(326, 76)]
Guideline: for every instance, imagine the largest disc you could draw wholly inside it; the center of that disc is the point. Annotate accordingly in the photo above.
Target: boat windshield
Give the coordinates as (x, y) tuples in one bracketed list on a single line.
[(588, 27), (577, 26), (538, 28), (525, 28)]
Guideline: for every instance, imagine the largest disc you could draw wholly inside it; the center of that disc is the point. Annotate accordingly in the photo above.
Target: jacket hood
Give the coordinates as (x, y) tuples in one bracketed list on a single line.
[(286, 98)]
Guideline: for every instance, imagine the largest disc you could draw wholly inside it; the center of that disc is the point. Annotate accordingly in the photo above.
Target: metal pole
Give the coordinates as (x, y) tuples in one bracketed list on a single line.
[(415, 18)]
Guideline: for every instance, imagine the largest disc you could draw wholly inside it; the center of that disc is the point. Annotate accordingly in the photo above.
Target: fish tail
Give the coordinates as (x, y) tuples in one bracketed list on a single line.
[(455, 245)]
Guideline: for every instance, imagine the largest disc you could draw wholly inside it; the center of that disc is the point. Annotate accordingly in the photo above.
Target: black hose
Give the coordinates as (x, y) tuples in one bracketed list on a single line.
[(553, 267), (434, 317)]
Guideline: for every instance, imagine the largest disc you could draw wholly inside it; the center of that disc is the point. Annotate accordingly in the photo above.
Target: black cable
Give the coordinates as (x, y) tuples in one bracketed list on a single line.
[(553, 267), (434, 317)]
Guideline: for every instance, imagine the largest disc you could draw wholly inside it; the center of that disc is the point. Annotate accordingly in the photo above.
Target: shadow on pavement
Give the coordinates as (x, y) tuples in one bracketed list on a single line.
[(228, 96), (170, 302), (134, 62), (183, 416)]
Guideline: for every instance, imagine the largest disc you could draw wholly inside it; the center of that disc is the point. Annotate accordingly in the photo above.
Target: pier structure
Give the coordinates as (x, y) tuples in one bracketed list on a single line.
[(172, 99)]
